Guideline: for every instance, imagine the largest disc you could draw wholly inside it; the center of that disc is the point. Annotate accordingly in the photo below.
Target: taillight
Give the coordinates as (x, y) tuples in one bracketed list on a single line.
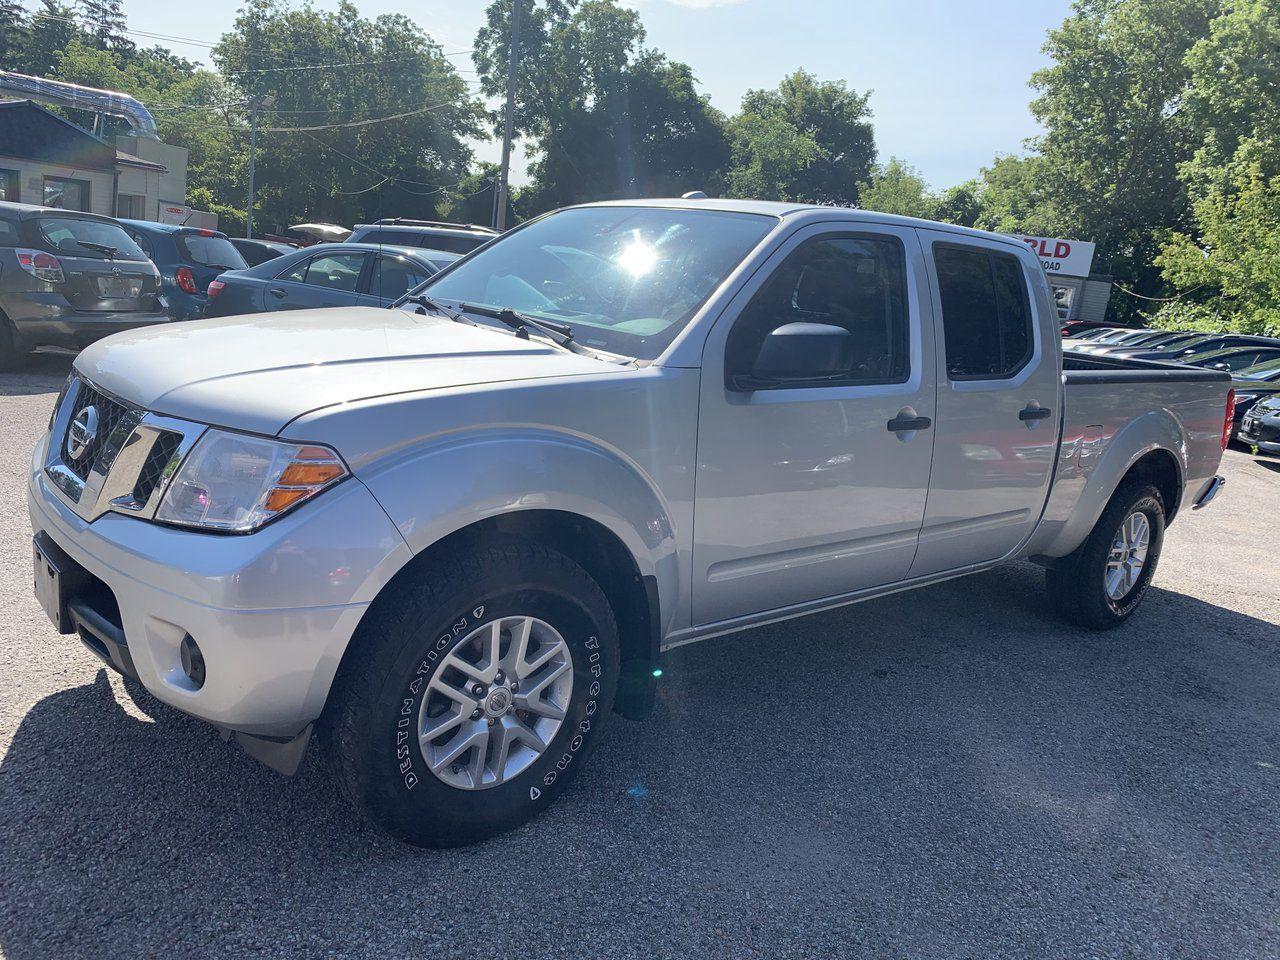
[(215, 288), (1229, 420), (41, 265), (186, 280)]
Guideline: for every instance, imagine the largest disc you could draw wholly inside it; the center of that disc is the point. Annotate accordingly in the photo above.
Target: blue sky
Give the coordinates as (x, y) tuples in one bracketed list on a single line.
[(949, 79)]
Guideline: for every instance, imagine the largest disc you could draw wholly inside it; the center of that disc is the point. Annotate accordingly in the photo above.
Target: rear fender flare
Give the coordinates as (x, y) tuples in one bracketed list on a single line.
[(1156, 430)]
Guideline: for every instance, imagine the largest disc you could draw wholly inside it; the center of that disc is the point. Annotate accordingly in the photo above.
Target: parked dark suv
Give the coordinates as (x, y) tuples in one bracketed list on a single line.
[(188, 258), (431, 234), (68, 278)]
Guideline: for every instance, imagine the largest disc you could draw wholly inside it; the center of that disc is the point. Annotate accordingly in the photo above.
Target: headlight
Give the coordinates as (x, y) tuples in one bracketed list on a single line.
[(236, 483)]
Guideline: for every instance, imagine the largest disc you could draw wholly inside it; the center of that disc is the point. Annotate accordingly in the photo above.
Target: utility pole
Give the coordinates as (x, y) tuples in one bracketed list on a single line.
[(513, 57), (253, 146), (254, 106)]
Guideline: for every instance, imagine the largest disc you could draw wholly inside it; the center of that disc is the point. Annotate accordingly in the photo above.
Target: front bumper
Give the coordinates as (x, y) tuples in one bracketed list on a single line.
[(1261, 433), (272, 611)]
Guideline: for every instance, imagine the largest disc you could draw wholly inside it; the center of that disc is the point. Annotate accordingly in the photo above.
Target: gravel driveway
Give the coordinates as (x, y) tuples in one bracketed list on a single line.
[(947, 773)]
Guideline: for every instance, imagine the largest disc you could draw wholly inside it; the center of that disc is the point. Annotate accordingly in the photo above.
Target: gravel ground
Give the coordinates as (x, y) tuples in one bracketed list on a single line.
[(948, 773)]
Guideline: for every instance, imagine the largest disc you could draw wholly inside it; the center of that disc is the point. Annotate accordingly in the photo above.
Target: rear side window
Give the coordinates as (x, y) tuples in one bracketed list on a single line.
[(8, 233), (397, 238), (858, 283), (986, 312), (393, 277), (337, 271), (450, 242), (210, 251)]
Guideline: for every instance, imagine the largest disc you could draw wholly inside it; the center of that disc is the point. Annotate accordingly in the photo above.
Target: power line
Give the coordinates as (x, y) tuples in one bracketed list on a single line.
[(356, 123), (308, 63)]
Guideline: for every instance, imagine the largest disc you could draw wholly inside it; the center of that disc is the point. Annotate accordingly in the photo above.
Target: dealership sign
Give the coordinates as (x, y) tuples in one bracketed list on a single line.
[(1071, 258)]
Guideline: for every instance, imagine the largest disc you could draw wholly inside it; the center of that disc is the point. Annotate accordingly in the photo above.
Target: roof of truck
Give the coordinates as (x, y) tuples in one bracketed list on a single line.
[(809, 211)]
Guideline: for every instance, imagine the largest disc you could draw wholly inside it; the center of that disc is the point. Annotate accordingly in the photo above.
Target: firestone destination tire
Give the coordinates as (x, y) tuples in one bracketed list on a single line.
[(477, 690)]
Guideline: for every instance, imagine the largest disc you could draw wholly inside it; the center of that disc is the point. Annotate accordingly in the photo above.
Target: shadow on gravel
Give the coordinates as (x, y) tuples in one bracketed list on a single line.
[(39, 373), (946, 774)]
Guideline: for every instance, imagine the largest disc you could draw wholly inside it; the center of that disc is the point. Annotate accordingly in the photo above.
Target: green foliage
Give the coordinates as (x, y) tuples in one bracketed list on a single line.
[(1115, 128), (15, 33), (807, 141), (356, 172), (1227, 264), (897, 188), (604, 115)]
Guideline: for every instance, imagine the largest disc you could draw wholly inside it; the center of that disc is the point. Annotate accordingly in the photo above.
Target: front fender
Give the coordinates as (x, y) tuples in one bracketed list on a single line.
[(456, 481), (1097, 481)]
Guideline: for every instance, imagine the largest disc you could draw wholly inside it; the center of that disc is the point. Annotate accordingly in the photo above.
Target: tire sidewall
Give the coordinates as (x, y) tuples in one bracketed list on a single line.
[(412, 802), (1147, 502)]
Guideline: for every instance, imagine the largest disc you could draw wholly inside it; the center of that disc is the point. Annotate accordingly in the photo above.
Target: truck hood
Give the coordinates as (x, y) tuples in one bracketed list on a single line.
[(259, 372)]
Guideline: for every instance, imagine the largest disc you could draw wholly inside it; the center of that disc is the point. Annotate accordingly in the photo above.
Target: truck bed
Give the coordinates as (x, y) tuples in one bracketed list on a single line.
[(1152, 404)]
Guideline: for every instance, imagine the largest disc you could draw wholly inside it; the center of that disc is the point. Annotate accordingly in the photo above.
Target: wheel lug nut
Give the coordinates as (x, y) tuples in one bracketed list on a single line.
[(499, 678), (514, 686), (478, 690), (475, 714), (491, 721)]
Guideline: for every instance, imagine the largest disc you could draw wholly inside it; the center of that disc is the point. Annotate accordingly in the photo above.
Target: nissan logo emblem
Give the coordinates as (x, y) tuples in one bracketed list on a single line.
[(84, 430)]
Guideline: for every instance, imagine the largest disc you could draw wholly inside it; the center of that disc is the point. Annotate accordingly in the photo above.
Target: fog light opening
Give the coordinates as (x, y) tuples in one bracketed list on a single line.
[(192, 661)]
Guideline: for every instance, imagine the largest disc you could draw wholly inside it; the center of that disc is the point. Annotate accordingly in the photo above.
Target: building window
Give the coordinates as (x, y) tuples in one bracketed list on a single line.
[(66, 194), (9, 186), (131, 206)]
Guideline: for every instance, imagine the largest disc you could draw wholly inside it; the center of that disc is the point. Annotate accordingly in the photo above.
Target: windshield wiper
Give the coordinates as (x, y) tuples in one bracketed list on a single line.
[(422, 300), (561, 333), (106, 248)]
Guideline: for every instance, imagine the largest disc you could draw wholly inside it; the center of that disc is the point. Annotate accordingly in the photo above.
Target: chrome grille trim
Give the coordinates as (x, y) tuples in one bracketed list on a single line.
[(123, 475)]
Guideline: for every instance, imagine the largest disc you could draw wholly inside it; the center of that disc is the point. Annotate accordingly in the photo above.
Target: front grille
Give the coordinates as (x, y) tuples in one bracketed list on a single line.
[(110, 413), (152, 471)]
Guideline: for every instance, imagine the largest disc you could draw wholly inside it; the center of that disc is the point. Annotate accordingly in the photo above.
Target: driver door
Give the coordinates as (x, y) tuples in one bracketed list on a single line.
[(809, 490)]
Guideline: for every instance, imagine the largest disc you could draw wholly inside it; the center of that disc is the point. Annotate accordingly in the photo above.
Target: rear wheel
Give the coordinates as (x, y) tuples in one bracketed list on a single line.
[(10, 353), (1101, 584), (477, 689)]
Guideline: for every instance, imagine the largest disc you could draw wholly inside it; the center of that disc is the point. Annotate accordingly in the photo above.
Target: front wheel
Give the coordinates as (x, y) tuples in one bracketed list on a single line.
[(1100, 585), (475, 691)]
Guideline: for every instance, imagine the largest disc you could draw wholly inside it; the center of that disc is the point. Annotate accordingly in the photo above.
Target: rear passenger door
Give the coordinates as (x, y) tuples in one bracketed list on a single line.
[(324, 280), (999, 401)]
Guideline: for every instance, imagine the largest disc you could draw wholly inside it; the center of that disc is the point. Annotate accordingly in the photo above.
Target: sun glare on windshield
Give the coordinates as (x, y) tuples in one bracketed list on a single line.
[(637, 258)]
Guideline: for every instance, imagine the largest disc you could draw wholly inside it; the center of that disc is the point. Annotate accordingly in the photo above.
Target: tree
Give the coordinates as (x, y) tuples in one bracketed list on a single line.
[(605, 116), (108, 27), (15, 33), (897, 188), (1226, 266), (807, 141), (1115, 127), (383, 136), (50, 32)]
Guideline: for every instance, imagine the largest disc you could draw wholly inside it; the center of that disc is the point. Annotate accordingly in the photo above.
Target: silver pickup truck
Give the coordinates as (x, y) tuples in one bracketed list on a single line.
[(452, 537)]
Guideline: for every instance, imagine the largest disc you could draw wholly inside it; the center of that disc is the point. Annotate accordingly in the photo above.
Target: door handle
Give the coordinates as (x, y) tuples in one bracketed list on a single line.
[(901, 424), (276, 292), (1034, 413)]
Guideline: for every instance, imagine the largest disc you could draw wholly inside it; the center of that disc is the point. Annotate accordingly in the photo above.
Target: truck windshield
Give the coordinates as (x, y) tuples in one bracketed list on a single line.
[(627, 279)]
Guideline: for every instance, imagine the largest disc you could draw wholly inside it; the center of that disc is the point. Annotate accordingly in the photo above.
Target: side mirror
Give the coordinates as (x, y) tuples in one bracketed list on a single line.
[(795, 352)]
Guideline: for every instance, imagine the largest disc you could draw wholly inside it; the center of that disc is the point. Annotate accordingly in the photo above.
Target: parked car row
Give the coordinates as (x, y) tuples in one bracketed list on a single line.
[(1253, 362), (68, 278)]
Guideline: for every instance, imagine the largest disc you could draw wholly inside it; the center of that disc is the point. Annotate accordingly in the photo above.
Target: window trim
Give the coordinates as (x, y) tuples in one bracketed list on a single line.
[(10, 176), (730, 376), (990, 253), (46, 179), (375, 266)]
